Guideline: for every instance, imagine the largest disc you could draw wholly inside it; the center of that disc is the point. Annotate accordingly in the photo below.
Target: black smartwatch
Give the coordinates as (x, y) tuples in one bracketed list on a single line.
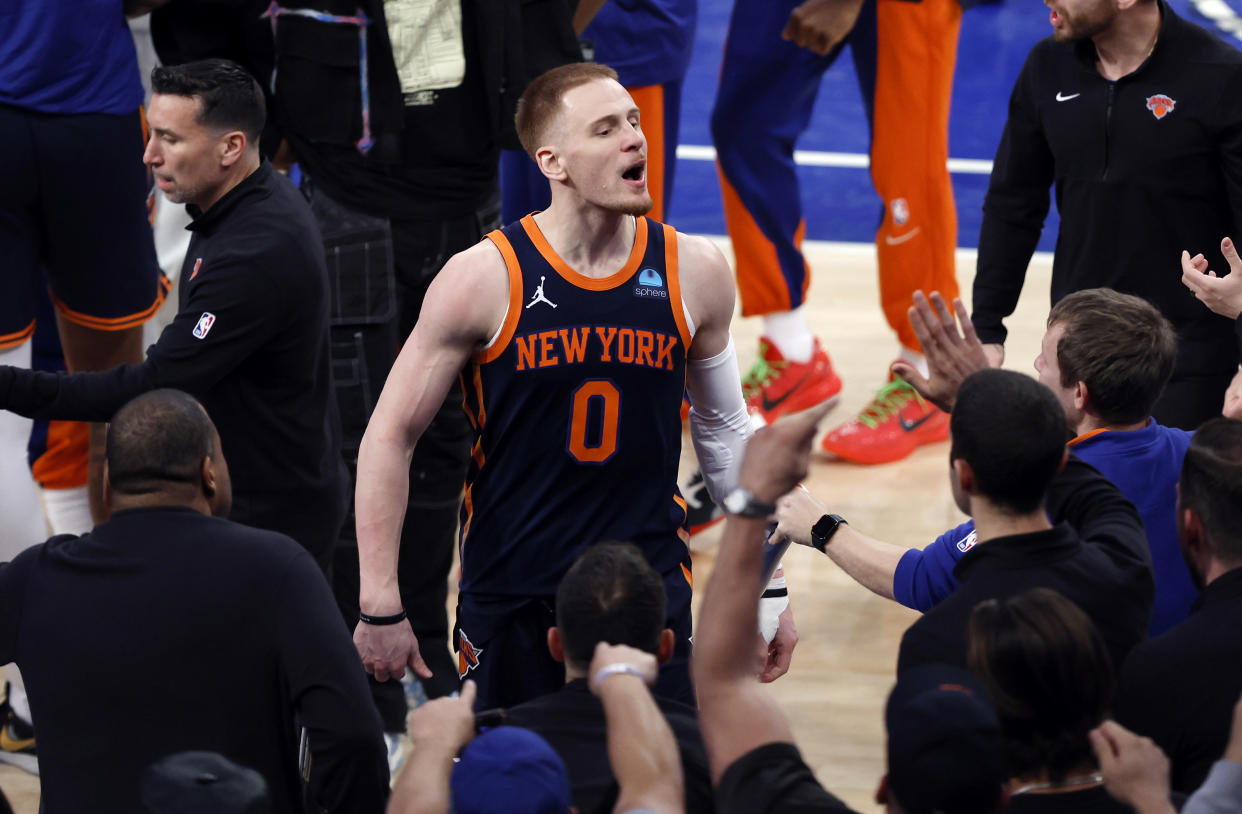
[(824, 528)]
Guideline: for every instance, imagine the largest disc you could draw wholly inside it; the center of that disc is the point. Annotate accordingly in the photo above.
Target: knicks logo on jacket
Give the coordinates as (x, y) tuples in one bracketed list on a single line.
[(607, 344)]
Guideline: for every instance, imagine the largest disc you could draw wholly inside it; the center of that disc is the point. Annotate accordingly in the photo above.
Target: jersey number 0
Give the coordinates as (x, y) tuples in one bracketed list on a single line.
[(607, 414)]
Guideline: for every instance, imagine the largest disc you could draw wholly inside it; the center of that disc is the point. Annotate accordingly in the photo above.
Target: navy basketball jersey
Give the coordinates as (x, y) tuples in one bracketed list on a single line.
[(576, 406)]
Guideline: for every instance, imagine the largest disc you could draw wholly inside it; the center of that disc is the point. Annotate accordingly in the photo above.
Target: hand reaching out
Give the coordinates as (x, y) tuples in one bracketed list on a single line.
[(1223, 295), (952, 352)]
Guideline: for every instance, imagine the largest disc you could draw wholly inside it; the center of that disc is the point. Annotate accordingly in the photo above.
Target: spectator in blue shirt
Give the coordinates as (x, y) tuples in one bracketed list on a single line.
[(1107, 357)]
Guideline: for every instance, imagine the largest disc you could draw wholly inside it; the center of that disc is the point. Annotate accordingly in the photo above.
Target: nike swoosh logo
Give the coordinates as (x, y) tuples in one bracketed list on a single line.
[(1061, 98), (911, 426), (771, 404), (897, 241)]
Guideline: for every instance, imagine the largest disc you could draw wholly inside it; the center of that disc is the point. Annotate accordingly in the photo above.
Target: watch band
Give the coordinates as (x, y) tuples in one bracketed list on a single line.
[(824, 529), (743, 503)]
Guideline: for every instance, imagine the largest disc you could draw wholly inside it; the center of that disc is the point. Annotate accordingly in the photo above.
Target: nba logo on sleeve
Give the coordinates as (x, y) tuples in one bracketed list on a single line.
[(968, 543), (204, 324)]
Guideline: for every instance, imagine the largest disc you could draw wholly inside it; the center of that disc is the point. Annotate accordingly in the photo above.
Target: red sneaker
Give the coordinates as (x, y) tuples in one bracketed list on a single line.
[(896, 422), (775, 386)]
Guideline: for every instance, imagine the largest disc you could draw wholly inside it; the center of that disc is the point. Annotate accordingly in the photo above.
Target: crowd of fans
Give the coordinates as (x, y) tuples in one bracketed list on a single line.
[(1078, 640)]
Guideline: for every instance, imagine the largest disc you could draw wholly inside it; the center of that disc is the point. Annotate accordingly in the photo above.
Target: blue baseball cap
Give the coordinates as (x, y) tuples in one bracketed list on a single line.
[(511, 769), (945, 751)]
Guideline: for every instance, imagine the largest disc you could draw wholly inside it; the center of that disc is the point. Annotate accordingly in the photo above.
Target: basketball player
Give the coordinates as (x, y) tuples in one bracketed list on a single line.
[(574, 331)]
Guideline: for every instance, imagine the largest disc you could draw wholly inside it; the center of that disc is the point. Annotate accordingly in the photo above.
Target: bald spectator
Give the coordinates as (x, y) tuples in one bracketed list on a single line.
[(194, 633)]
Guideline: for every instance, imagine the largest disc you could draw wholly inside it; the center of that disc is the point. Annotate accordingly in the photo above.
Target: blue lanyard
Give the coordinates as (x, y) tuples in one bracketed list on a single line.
[(360, 20)]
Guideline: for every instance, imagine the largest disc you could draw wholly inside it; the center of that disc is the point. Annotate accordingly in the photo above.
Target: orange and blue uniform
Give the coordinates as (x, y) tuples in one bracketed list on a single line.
[(904, 53), (576, 406)]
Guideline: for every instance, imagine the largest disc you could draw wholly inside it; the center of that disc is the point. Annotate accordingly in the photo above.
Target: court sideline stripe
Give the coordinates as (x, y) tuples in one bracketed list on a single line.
[(813, 158)]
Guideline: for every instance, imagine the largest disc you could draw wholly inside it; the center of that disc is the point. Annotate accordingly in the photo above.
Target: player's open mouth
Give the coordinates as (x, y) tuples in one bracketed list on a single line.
[(636, 175), (1054, 17)]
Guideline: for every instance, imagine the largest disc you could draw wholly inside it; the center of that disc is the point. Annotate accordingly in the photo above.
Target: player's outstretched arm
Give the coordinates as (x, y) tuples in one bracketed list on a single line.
[(736, 715), (464, 307)]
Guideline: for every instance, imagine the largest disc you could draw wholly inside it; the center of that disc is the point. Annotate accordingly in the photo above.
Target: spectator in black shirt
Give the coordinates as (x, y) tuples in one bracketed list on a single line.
[(1176, 688), (612, 595), (1011, 472), (943, 741), (251, 336), (194, 633)]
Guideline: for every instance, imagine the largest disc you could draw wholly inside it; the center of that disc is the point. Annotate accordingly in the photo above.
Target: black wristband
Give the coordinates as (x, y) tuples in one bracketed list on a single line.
[(396, 618), (775, 593)]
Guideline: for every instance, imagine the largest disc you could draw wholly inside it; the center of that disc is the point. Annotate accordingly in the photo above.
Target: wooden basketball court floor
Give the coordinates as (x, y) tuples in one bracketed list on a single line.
[(843, 666)]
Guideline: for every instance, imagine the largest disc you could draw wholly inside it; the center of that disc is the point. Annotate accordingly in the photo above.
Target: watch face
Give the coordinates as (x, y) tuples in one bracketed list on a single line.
[(735, 501), (823, 530)]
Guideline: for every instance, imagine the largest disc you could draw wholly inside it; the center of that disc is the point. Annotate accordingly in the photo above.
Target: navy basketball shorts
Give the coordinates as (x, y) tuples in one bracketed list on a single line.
[(503, 646), (74, 215)]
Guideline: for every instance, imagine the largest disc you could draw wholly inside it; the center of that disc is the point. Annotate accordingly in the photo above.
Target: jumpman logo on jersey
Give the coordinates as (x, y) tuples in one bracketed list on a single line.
[(538, 296)]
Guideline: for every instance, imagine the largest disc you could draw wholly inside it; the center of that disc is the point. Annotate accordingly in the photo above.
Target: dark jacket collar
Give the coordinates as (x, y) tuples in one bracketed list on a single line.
[(1019, 551), (255, 183), (1222, 589)]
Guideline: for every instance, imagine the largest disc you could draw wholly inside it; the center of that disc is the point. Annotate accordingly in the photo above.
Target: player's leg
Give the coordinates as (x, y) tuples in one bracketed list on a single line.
[(674, 680), (503, 648), (100, 256), (660, 109), (58, 450), (915, 47), (767, 89), (21, 522)]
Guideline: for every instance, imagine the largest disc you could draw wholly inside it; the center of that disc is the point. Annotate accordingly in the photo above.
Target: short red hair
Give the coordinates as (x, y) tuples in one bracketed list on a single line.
[(542, 99)]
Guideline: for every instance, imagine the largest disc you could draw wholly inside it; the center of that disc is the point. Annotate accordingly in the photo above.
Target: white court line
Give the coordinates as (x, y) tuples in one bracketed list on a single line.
[(857, 161)]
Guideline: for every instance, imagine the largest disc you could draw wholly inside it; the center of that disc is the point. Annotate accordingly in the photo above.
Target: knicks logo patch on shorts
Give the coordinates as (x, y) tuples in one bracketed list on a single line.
[(467, 654)]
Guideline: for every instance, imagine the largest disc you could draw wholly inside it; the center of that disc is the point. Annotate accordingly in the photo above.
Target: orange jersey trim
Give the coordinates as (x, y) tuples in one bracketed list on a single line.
[(465, 400), (507, 329), (1079, 439), (685, 572), (17, 337), (682, 534), (581, 280), (674, 287), (115, 323)]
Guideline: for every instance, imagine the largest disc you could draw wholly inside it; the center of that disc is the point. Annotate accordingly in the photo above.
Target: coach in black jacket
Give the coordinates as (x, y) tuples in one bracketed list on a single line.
[(251, 336), (1136, 116), (1010, 473)]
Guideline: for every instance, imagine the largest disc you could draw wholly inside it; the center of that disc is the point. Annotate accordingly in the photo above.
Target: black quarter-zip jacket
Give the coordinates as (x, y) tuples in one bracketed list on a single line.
[(1143, 168), (250, 341)]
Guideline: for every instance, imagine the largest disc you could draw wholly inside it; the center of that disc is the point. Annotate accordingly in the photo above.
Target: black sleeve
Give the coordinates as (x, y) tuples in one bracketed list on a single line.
[(13, 578), (1228, 138), (1013, 210), (349, 762), (1096, 509), (774, 778), (229, 314)]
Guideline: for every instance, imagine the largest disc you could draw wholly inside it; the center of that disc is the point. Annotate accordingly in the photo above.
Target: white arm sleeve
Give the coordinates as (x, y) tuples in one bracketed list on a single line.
[(719, 424)]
